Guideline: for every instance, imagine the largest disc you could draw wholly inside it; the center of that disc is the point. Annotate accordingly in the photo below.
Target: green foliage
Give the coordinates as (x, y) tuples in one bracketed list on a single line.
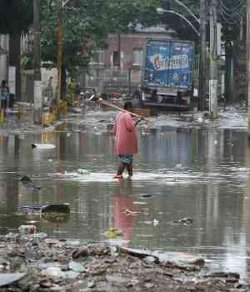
[(123, 16), (27, 60), (15, 16), (86, 24), (84, 29)]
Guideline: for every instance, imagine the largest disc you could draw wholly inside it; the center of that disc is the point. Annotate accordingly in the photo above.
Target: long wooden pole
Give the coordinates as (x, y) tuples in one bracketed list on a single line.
[(37, 64), (248, 64), (107, 103), (202, 59), (59, 51), (118, 107), (213, 82)]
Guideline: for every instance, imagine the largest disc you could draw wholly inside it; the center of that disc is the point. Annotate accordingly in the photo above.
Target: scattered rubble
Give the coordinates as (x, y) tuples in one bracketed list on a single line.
[(37, 263)]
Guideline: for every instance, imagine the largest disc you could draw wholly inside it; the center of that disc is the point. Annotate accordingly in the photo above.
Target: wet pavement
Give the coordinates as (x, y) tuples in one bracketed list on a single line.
[(190, 191)]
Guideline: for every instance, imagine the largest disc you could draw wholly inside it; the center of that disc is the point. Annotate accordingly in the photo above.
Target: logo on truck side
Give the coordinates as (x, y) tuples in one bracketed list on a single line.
[(175, 62)]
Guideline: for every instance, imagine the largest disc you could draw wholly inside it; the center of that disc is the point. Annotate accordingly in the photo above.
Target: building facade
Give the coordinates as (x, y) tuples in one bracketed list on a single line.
[(110, 73)]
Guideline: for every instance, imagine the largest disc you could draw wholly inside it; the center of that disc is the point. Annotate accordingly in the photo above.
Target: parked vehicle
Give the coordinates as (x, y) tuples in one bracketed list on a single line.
[(167, 76), (87, 93)]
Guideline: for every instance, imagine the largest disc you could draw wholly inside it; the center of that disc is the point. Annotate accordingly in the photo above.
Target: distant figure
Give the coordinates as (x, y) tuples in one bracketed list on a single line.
[(4, 95), (50, 89), (178, 97), (154, 95), (125, 140)]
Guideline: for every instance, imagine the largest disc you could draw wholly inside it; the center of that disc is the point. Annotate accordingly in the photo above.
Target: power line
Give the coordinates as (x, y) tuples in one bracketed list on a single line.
[(231, 14)]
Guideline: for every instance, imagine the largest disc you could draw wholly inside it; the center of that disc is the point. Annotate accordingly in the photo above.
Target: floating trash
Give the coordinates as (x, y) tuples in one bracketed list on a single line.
[(113, 233), (59, 208), (56, 217), (76, 267), (183, 221), (43, 146), (155, 222), (83, 171), (10, 278), (56, 208), (25, 179)]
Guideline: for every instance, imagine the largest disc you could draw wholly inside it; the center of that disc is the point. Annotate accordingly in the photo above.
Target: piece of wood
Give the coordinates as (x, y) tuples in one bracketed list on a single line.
[(107, 103), (59, 208), (10, 278), (136, 253), (43, 146)]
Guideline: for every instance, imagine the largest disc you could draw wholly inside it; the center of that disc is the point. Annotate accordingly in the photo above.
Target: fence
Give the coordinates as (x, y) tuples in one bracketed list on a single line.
[(114, 80)]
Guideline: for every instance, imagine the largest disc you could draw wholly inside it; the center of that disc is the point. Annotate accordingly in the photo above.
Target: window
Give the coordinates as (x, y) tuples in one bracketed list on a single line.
[(138, 57), (116, 58), (97, 57)]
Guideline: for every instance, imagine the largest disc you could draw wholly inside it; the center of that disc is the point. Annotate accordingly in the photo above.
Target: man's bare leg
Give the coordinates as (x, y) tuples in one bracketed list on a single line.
[(130, 170), (120, 170)]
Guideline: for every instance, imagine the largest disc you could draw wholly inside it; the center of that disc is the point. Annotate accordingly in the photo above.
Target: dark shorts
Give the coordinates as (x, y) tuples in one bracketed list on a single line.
[(127, 159)]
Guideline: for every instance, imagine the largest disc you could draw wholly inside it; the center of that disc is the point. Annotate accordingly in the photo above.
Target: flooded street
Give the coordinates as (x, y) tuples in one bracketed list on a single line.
[(189, 193)]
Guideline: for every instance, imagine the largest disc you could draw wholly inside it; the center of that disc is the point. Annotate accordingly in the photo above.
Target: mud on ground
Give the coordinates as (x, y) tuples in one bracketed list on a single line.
[(44, 264)]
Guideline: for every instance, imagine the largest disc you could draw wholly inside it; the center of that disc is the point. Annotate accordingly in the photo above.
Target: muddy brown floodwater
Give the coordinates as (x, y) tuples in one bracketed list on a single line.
[(189, 195)]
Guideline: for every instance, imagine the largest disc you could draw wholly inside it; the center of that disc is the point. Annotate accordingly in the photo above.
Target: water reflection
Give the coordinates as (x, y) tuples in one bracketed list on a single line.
[(124, 210), (202, 174)]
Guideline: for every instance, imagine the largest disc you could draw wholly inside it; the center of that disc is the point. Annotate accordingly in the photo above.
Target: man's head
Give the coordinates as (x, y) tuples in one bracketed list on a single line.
[(128, 105)]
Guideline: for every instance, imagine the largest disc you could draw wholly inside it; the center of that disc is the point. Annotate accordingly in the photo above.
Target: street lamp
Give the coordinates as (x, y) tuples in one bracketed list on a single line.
[(161, 11), (202, 36), (188, 10)]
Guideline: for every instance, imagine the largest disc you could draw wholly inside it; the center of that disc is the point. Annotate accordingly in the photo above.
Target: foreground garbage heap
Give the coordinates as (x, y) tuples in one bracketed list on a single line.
[(43, 264)]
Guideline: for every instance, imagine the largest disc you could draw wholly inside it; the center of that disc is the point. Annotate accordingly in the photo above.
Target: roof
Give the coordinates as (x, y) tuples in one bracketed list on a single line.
[(153, 29)]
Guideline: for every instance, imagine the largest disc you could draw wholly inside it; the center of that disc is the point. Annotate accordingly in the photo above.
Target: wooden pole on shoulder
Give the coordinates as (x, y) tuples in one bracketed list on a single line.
[(107, 103)]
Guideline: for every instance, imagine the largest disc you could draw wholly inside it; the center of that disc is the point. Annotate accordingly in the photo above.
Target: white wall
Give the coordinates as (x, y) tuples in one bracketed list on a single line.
[(4, 46)]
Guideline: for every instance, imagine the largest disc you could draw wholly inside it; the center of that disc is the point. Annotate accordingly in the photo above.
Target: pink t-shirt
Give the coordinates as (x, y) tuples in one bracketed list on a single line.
[(125, 134)]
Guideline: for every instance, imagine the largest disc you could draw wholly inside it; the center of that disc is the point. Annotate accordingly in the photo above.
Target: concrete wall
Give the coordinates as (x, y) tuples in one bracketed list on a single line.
[(48, 84), (127, 78), (4, 47)]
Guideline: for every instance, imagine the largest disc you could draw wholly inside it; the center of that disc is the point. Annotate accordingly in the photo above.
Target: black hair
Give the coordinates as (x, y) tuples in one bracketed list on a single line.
[(128, 105)]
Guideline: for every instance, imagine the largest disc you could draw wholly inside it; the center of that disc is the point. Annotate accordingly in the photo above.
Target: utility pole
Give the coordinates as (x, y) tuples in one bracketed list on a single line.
[(202, 61), (37, 63), (119, 50), (248, 65), (59, 51), (213, 82)]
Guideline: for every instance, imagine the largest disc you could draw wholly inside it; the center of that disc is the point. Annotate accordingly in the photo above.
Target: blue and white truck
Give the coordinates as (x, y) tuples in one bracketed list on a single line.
[(167, 79)]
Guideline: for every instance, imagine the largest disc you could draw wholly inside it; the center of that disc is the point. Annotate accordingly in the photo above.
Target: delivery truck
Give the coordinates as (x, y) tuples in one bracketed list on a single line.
[(167, 80)]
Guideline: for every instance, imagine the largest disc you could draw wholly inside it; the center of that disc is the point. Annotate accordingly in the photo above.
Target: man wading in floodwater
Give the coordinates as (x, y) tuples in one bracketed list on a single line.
[(125, 140)]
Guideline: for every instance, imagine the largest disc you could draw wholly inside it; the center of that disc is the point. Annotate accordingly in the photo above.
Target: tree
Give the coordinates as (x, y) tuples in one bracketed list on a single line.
[(122, 16), (15, 16), (83, 30), (15, 19), (86, 25)]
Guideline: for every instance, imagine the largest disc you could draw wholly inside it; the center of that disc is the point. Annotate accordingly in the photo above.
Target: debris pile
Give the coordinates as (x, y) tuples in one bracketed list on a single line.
[(37, 263)]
